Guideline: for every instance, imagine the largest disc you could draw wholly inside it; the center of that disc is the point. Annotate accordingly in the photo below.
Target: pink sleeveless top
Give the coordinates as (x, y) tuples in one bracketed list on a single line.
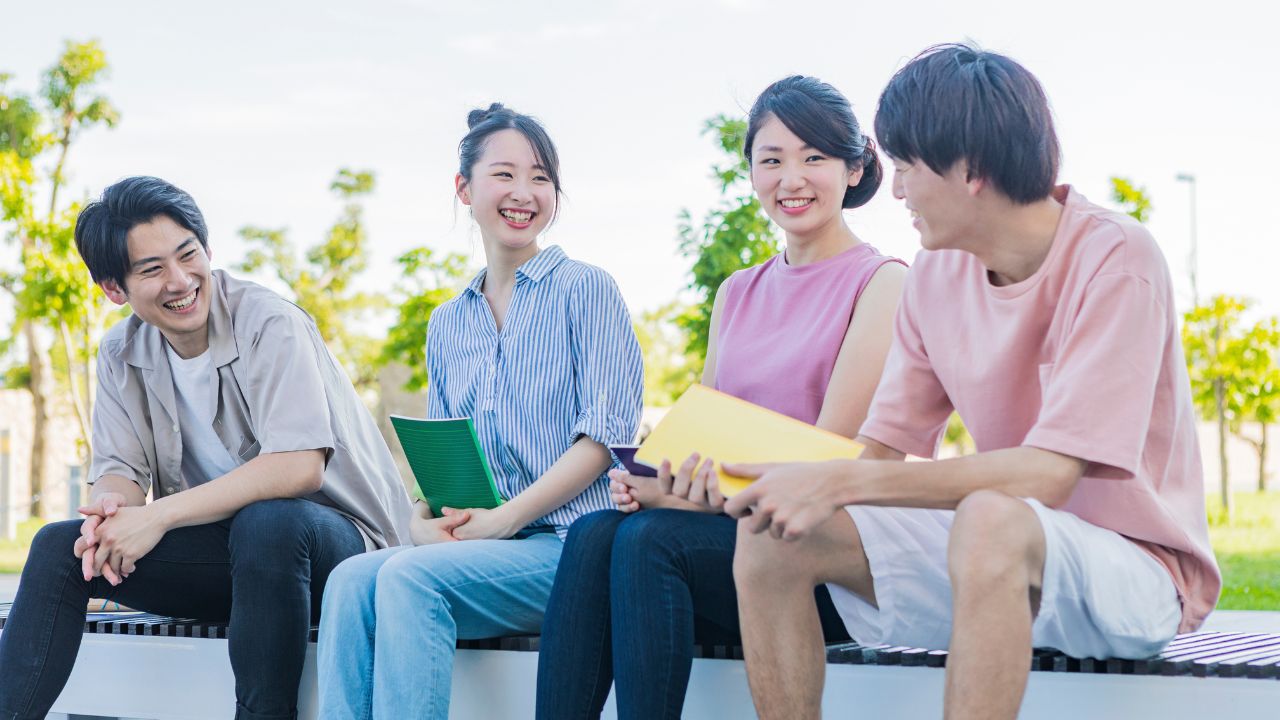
[(781, 327)]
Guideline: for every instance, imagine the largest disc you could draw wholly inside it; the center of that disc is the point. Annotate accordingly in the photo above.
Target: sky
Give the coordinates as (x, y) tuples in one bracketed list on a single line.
[(252, 107)]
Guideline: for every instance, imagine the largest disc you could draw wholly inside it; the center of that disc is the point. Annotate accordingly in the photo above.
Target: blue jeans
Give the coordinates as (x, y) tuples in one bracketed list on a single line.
[(262, 570), (634, 593), (392, 618)]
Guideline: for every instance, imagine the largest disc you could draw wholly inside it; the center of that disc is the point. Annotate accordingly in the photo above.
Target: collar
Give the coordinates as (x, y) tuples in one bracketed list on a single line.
[(535, 268)]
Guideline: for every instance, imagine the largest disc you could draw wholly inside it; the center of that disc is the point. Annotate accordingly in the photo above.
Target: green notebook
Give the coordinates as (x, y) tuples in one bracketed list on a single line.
[(448, 462)]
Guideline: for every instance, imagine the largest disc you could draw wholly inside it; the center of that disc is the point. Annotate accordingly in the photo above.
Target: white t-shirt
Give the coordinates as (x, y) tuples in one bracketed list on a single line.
[(195, 385)]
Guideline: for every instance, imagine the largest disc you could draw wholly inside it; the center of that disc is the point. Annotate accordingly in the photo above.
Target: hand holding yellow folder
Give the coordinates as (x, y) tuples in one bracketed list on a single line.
[(731, 430)]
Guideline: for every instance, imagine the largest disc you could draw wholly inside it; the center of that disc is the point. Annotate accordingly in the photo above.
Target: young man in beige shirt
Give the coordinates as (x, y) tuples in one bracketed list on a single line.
[(220, 399)]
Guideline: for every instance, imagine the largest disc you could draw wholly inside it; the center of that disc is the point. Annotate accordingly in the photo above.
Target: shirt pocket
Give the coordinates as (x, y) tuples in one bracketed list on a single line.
[(249, 449)]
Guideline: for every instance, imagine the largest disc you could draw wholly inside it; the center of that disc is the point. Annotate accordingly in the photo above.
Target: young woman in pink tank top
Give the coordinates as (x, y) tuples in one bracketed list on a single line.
[(805, 334)]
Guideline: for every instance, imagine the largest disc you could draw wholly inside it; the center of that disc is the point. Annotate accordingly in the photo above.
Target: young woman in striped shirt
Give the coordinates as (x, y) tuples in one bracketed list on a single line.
[(805, 334), (538, 350)]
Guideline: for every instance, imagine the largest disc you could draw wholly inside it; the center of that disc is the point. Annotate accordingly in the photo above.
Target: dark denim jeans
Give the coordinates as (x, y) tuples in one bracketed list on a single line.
[(262, 570), (633, 593)]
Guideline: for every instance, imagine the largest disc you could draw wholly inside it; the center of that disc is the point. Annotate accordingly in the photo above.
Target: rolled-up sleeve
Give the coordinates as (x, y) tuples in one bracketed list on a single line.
[(286, 393), (117, 449), (607, 366)]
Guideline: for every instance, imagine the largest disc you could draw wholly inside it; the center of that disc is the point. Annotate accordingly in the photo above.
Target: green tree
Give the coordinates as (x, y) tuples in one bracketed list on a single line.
[(1211, 340), (1257, 400), (426, 284), (734, 235), (669, 367), (57, 306), (323, 279), (1132, 199)]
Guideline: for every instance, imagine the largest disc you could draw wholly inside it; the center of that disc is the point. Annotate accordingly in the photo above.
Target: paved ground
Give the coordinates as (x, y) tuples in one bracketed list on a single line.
[(1221, 621)]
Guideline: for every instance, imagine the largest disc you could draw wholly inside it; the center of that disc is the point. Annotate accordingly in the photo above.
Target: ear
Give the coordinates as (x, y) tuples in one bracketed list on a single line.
[(855, 176), (973, 184), (460, 189), (114, 292)]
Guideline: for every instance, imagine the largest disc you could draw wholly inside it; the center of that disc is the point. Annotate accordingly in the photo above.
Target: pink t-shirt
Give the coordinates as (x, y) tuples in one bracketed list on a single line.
[(1082, 358), (781, 327)]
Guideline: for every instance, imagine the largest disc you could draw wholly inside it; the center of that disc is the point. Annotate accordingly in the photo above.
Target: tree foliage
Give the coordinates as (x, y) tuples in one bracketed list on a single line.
[(733, 235), (57, 306), (322, 280), (1132, 199), (426, 284)]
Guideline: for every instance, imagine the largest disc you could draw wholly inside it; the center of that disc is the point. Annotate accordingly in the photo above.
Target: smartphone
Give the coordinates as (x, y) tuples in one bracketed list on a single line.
[(627, 454)]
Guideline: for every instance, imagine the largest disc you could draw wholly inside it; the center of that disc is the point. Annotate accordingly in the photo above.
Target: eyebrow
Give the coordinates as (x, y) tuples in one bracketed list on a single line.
[(503, 163), (775, 148), (144, 261)]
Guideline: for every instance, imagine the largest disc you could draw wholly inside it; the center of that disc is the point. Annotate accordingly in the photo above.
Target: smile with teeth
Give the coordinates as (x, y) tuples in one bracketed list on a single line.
[(796, 202), (517, 216), (183, 303)]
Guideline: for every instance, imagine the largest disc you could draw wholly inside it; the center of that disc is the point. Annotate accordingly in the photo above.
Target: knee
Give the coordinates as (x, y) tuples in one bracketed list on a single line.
[(270, 523), (593, 531), (409, 577), (760, 560), (994, 538), (645, 537), (56, 540)]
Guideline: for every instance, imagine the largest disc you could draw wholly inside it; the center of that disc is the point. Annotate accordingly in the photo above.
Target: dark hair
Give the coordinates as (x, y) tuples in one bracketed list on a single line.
[(956, 102), (103, 226), (820, 116), (483, 123)]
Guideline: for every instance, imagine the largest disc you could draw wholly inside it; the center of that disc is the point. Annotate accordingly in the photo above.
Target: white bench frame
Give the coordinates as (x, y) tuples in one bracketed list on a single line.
[(170, 678)]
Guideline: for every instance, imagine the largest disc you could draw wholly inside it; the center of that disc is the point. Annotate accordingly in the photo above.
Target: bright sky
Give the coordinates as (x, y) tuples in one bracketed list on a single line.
[(252, 107)]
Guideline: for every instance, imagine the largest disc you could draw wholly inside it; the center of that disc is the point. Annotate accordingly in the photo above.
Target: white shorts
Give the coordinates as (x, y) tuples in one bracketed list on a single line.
[(1102, 597)]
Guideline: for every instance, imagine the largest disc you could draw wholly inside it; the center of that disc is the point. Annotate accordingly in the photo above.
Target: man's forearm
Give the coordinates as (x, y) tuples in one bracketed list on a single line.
[(1022, 472), (266, 477), (130, 490)]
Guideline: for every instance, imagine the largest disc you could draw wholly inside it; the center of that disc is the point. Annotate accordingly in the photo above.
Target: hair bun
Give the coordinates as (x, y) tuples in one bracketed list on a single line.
[(477, 116)]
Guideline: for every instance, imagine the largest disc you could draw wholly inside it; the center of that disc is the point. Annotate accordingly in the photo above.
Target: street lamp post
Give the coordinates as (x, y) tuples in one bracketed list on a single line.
[(1190, 180)]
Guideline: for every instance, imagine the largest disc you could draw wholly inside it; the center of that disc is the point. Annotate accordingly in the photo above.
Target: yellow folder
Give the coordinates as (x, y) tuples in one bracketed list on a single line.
[(731, 430)]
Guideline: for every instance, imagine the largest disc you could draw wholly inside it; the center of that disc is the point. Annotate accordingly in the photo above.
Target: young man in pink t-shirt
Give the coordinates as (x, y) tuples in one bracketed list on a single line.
[(1048, 324)]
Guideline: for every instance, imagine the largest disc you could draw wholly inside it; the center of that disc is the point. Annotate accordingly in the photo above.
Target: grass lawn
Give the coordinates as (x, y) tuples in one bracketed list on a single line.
[(1248, 551), (13, 553)]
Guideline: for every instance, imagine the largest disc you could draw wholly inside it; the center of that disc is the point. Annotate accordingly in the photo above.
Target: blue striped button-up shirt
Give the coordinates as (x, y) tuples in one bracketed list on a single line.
[(565, 364)]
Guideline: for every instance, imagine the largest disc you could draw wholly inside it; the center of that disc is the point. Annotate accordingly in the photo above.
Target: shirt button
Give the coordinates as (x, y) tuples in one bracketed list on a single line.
[(175, 427)]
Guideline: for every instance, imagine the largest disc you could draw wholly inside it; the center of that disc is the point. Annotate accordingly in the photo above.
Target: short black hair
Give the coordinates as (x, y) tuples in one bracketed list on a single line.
[(483, 123), (820, 116), (956, 102), (103, 226)]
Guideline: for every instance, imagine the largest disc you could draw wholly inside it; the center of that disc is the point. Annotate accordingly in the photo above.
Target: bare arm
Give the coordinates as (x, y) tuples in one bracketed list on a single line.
[(862, 353), (794, 499), (133, 531), (266, 477), (713, 340)]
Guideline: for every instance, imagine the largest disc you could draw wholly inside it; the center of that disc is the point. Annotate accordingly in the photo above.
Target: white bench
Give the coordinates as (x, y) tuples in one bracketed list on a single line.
[(152, 667)]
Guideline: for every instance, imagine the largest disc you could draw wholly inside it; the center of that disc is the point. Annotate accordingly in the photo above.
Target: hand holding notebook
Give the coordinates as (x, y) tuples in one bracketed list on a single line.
[(448, 463), (731, 430)]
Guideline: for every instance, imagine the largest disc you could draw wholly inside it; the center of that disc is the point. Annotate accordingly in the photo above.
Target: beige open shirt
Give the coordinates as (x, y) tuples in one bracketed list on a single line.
[(279, 390)]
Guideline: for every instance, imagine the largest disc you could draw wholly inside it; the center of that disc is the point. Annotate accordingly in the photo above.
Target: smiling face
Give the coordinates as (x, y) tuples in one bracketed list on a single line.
[(800, 188), (943, 207), (510, 193), (168, 284)]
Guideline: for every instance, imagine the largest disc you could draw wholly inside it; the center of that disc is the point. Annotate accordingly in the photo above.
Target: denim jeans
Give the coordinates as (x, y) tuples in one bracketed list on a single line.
[(392, 618), (263, 570), (633, 594)]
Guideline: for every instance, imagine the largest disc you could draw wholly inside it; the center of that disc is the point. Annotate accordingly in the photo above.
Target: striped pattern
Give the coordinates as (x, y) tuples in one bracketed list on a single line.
[(1208, 654), (566, 364)]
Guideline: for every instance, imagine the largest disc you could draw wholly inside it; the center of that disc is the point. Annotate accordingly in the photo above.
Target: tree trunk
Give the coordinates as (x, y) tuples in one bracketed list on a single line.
[(41, 392), (1218, 395), (1262, 459)]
